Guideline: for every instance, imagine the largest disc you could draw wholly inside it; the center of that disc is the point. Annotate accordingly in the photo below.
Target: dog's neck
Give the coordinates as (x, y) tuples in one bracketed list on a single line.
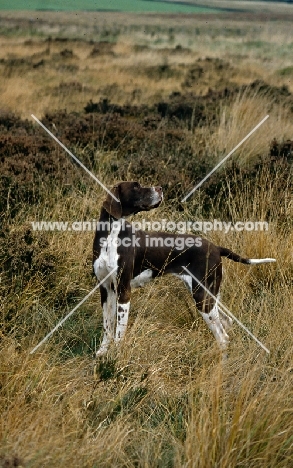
[(107, 221), (105, 225), (105, 216)]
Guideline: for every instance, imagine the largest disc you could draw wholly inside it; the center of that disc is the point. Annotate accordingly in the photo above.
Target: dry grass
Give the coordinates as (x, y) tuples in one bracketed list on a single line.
[(164, 398), (236, 121), (251, 49)]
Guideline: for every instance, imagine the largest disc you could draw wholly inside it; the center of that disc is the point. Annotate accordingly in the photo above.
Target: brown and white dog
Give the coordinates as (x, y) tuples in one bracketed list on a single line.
[(138, 258)]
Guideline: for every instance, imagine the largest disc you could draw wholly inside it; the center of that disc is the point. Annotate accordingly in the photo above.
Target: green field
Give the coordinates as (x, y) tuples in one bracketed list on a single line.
[(136, 6)]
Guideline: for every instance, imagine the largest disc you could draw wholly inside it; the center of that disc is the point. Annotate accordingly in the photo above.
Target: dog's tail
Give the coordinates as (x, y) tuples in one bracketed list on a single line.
[(247, 261)]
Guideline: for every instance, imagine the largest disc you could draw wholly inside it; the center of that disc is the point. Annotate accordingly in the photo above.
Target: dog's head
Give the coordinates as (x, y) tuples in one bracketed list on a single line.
[(132, 199)]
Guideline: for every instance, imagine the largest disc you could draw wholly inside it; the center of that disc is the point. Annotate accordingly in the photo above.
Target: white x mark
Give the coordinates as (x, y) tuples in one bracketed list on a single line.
[(71, 312), (74, 157), (228, 311), (224, 159)]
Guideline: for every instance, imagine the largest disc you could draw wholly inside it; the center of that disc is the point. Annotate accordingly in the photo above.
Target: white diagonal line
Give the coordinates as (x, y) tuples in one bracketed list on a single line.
[(72, 311), (75, 158), (224, 159), (228, 311)]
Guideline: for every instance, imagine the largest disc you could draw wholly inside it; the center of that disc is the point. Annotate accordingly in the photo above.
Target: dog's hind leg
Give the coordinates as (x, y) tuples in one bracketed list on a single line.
[(209, 311), (213, 321), (226, 321)]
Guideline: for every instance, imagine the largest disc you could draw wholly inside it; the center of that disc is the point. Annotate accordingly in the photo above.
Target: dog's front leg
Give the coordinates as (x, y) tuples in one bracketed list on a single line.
[(109, 305), (122, 312)]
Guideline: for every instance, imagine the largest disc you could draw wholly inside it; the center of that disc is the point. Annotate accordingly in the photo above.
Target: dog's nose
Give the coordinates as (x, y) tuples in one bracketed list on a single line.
[(158, 189)]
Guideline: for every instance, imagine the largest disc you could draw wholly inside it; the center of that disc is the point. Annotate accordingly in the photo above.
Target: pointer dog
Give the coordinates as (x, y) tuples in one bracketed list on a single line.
[(138, 257)]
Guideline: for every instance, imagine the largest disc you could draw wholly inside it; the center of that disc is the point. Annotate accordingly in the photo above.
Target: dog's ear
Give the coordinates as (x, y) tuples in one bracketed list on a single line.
[(113, 207)]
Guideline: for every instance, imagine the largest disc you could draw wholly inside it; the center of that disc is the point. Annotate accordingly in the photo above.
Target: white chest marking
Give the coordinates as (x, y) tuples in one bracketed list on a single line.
[(108, 258)]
